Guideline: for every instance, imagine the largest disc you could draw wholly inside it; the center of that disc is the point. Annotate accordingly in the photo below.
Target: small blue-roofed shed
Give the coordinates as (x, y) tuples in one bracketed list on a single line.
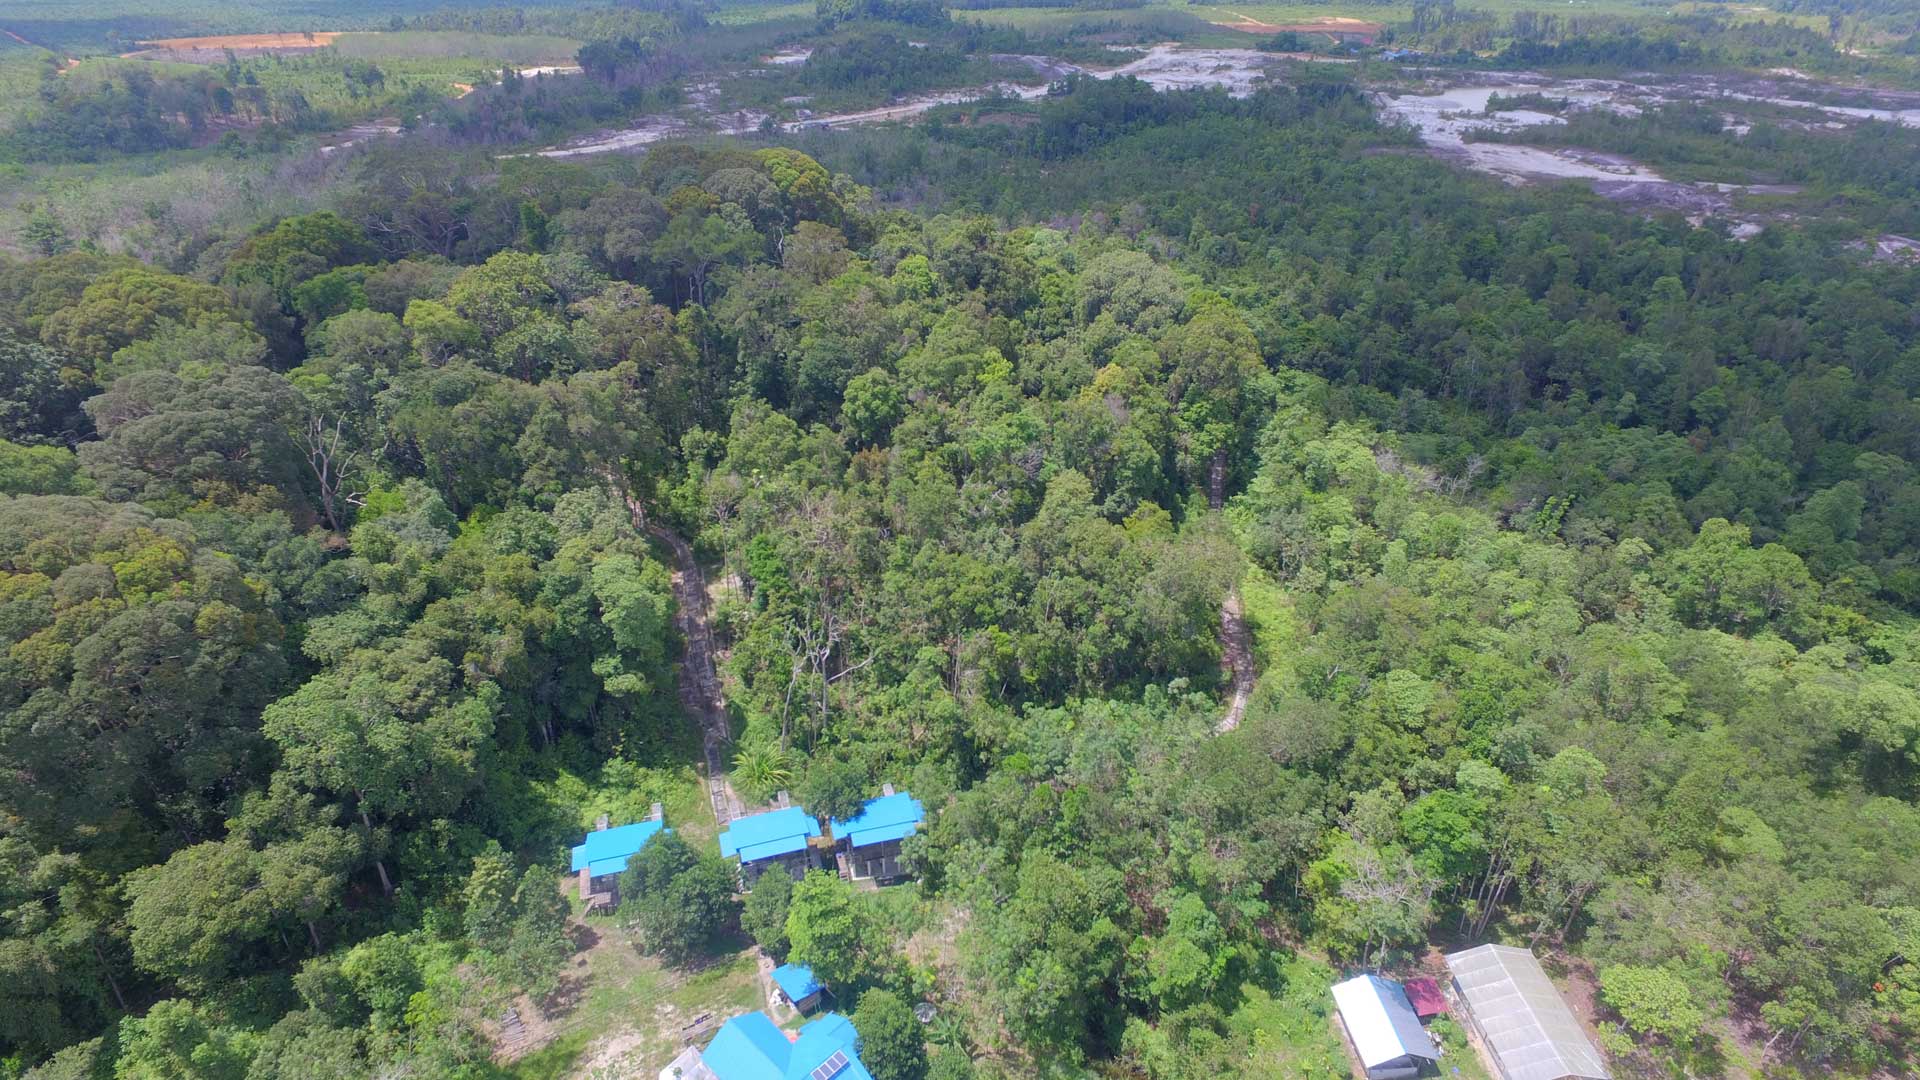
[(777, 837), (604, 855), (872, 837), (751, 1047), (796, 981)]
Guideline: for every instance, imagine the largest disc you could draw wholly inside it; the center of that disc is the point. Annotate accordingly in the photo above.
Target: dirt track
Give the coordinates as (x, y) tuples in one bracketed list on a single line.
[(699, 680), (1236, 659)]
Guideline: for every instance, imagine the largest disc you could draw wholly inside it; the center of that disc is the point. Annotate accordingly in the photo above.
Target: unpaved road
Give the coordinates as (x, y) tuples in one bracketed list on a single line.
[(1236, 659), (699, 679)]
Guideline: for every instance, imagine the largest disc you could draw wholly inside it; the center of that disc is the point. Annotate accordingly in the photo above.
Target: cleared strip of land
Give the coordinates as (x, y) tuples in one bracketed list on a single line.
[(318, 39)]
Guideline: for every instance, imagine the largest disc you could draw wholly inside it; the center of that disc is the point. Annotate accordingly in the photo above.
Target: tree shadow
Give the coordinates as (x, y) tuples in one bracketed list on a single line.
[(583, 936), (568, 992)]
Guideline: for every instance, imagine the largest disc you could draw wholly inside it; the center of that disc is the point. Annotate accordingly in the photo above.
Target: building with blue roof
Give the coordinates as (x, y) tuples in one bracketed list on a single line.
[(604, 855), (872, 837), (751, 1047), (797, 984), (775, 838)]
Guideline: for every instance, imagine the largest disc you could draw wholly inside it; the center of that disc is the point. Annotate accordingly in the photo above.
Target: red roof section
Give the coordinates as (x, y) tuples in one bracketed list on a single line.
[(1426, 998)]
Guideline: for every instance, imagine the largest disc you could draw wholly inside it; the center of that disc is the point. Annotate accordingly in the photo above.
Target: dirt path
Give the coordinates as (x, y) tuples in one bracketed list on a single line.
[(699, 680), (1236, 659), (1236, 645)]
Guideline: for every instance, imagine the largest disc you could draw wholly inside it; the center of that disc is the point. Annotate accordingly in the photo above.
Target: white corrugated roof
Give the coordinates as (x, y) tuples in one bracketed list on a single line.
[(1527, 1023), (1381, 1021)]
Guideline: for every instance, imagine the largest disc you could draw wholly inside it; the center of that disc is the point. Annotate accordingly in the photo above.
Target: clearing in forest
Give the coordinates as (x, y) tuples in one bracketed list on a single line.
[(213, 49), (1338, 27), (318, 39)]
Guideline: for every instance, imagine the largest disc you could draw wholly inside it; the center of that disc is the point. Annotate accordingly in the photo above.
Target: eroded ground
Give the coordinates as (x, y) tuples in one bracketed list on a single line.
[(1164, 67), (1455, 109)]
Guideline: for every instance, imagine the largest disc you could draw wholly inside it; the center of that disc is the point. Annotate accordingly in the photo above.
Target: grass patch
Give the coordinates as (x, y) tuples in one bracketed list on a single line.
[(1271, 619), (744, 14), (20, 72), (1459, 1058), (628, 1018), (1290, 1030), (520, 50)]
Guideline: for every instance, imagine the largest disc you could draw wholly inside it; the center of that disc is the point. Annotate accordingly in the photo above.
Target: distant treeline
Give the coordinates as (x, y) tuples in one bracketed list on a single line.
[(1077, 5)]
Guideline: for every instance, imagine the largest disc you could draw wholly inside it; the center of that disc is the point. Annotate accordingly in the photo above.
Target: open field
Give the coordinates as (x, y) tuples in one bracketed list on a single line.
[(384, 47), (761, 11), (1333, 26), (626, 1011), (517, 49), (1336, 30)]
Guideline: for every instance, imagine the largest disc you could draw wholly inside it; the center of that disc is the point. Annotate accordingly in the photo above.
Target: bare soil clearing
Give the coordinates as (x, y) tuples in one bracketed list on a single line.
[(318, 39), (1337, 27), (1164, 67), (213, 48), (1452, 118)]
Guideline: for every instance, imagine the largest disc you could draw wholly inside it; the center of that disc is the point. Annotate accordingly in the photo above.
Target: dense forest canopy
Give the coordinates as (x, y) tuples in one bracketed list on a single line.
[(1266, 551)]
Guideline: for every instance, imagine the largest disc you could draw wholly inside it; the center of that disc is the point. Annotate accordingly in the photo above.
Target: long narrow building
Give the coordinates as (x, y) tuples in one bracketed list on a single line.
[(1526, 1025)]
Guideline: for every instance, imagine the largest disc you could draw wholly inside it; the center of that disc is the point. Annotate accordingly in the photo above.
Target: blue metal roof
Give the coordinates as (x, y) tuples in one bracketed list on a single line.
[(762, 836), (796, 981), (889, 817), (606, 851), (819, 1042), (750, 1047)]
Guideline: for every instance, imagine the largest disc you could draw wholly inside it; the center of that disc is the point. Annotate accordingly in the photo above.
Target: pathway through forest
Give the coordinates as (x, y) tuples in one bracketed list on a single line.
[(1236, 645), (699, 679), (1236, 659)]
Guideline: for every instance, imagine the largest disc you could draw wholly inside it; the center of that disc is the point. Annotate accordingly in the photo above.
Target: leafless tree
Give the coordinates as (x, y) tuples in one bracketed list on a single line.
[(333, 470)]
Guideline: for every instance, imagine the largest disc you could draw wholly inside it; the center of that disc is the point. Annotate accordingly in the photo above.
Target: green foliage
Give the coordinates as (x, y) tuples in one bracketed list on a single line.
[(176, 1041), (126, 306), (834, 790), (41, 470), (831, 933), (891, 1045), (764, 915), (1577, 547), (540, 941), (1049, 954), (677, 901), (40, 393), (762, 771), (1652, 1003)]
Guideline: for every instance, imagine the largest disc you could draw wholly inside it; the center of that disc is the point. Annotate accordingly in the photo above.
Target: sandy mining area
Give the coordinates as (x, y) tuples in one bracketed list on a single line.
[(1448, 113), (1164, 67)]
